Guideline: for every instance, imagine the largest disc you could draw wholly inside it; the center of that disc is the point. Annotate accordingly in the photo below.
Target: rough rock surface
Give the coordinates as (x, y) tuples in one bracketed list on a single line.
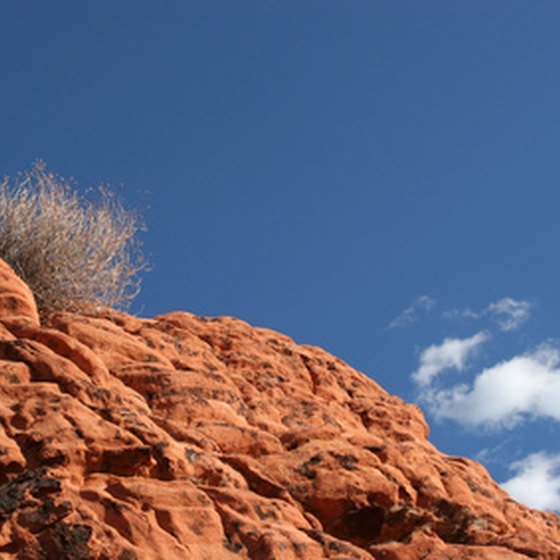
[(182, 437)]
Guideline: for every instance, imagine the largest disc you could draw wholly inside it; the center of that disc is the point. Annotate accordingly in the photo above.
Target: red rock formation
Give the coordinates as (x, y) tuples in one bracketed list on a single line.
[(182, 437)]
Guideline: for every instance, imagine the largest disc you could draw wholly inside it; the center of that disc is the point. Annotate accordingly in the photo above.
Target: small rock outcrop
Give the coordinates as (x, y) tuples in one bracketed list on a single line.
[(183, 437)]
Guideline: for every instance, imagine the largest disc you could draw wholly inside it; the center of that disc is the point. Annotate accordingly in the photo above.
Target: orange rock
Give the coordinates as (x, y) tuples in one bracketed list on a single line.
[(17, 303), (184, 437)]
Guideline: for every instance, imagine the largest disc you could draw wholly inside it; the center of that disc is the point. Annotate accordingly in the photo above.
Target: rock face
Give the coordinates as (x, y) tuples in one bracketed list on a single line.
[(182, 437)]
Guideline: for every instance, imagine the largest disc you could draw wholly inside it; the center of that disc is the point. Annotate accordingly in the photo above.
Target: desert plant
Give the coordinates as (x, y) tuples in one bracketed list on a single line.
[(72, 251)]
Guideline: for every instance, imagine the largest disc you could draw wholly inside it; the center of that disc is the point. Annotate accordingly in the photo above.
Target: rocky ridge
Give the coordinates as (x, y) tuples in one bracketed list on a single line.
[(183, 437)]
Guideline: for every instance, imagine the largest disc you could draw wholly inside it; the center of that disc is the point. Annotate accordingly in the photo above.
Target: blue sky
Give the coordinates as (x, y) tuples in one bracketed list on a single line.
[(321, 168)]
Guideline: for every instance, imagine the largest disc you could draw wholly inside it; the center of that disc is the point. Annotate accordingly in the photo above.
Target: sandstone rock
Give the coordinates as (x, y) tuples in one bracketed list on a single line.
[(17, 303), (182, 437)]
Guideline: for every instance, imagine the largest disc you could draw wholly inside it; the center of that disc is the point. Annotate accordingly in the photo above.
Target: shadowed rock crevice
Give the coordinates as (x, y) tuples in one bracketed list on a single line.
[(361, 526)]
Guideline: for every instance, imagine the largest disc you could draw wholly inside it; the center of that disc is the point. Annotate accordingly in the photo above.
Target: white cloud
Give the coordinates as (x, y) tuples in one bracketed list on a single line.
[(421, 305), (452, 353), (536, 482), (502, 395), (509, 313)]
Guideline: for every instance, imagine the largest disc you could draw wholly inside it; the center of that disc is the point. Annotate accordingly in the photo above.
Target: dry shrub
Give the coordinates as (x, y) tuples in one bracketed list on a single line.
[(72, 252)]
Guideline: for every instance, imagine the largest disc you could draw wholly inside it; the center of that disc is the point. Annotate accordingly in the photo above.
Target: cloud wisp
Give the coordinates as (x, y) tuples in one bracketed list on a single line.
[(509, 313), (536, 482), (422, 305), (452, 353), (455, 313)]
